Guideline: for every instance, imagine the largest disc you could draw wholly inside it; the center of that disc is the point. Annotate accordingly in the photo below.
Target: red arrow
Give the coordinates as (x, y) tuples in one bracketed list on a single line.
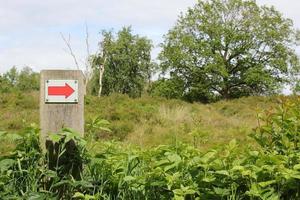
[(61, 90)]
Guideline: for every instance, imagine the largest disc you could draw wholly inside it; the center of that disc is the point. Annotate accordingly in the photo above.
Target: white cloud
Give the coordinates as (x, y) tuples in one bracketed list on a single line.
[(36, 13), (29, 29)]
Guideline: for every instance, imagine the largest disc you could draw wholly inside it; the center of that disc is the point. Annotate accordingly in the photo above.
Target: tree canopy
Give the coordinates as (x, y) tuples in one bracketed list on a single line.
[(127, 61), (228, 49), (24, 80)]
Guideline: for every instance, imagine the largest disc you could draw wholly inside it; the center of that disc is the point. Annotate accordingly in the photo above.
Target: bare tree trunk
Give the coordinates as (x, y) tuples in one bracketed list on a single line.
[(101, 72), (88, 69)]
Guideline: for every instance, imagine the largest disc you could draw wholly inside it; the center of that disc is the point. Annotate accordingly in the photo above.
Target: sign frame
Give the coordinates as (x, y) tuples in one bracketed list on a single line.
[(59, 91)]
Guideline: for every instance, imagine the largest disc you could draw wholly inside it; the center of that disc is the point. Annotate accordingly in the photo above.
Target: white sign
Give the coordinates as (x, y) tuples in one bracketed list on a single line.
[(61, 91)]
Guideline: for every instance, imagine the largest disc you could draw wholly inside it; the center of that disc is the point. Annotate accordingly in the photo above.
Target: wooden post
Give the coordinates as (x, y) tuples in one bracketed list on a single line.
[(62, 106), (61, 110)]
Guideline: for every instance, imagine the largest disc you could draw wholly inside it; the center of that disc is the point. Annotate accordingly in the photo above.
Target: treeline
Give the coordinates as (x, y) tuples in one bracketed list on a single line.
[(19, 80), (216, 50)]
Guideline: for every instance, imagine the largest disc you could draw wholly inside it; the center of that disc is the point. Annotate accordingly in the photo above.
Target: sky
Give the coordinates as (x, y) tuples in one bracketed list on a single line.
[(30, 29)]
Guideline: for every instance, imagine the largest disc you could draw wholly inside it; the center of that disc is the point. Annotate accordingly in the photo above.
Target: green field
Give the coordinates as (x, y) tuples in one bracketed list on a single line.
[(153, 148), (149, 121)]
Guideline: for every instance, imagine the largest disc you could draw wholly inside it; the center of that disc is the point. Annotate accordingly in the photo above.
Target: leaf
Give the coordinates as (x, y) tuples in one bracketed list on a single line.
[(105, 129), (51, 173), (183, 191), (83, 184), (254, 153), (209, 179), (208, 156), (232, 144), (78, 195), (89, 197), (266, 183), (296, 176), (6, 164), (62, 183), (167, 168), (296, 167), (161, 163), (55, 137), (222, 172), (221, 191), (238, 168), (128, 178), (174, 158)]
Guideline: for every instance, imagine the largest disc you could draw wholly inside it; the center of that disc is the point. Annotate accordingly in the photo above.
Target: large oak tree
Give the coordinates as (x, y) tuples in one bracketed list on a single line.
[(230, 48)]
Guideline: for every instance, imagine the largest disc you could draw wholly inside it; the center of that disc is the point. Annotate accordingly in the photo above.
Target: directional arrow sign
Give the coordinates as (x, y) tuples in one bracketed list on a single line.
[(65, 90), (61, 91)]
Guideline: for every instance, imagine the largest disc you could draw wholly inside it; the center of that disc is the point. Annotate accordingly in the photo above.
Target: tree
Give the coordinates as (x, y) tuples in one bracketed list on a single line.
[(28, 80), (230, 48), (99, 60), (5, 85), (168, 88), (24, 80), (9, 80), (12, 76), (126, 60)]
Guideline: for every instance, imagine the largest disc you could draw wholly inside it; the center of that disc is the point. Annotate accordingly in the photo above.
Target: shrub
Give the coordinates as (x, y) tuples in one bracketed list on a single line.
[(180, 171)]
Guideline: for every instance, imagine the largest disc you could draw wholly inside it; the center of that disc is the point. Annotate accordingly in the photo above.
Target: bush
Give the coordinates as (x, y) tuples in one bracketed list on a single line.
[(180, 171), (168, 88)]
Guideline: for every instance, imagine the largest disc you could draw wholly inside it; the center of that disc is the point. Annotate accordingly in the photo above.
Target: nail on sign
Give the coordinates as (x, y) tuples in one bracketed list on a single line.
[(61, 91)]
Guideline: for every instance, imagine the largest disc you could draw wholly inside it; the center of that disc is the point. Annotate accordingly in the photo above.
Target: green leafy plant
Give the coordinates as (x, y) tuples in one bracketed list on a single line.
[(270, 170)]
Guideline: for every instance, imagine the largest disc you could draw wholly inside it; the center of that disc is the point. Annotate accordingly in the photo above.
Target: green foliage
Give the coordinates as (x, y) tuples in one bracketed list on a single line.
[(27, 173), (168, 88), (127, 62), (24, 80), (278, 132), (28, 80), (5, 85), (116, 171), (16, 109), (228, 49), (95, 125), (147, 121)]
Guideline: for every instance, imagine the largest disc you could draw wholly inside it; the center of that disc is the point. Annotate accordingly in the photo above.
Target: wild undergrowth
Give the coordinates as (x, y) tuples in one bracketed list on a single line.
[(148, 121), (113, 170)]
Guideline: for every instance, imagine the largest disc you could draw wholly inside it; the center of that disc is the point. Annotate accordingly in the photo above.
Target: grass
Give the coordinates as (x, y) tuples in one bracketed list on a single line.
[(121, 165), (116, 170), (149, 121)]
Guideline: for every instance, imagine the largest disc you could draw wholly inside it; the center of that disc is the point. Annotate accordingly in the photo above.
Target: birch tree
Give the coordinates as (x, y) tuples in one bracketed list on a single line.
[(123, 63)]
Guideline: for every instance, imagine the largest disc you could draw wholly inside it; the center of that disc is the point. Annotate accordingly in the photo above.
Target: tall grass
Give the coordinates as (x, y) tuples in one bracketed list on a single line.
[(148, 121), (112, 170)]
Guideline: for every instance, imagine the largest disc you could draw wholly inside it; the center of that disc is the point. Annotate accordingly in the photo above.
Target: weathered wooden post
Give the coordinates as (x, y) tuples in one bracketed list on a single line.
[(61, 106), (61, 101)]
